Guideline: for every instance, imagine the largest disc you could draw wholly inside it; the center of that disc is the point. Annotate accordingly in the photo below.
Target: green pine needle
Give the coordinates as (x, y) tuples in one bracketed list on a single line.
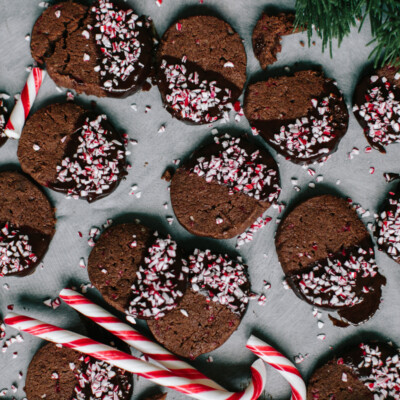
[(333, 20)]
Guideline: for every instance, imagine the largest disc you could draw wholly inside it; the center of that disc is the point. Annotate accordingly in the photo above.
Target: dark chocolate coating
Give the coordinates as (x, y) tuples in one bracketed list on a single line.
[(197, 204), (59, 41), (3, 122), (281, 101)]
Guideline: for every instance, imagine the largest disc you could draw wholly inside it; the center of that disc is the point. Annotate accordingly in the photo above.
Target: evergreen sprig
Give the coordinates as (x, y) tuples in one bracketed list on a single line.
[(333, 19)]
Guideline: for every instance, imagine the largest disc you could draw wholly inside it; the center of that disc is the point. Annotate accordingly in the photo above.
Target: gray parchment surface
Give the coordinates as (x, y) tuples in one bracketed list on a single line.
[(284, 320)]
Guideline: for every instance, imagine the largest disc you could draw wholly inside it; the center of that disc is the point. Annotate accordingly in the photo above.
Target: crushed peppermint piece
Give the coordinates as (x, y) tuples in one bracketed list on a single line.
[(134, 107), (82, 262), (156, 288), (321, 336), (36, 147), (161, 129), (248, 235), (220, 279)]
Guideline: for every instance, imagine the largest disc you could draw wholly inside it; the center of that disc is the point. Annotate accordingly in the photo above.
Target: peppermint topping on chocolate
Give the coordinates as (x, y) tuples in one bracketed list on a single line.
[(15, 250), (116, 33), (3, 112), (194, 99), (238, 170), (301, 139), (334, 282), (384, 377), (381, 112), (156, 289), (96, 164), (389, 229), (98, 380), (220, 279)]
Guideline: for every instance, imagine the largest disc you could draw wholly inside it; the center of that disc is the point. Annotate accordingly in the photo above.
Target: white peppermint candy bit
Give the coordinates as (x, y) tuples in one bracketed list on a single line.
[(302, 138), (333, 283), (381, 112), (96, 164), (240, 171), (16, 253), (99, 380), (220, 279), (156, 289), (194, 104), (3, 111), (116, 32)]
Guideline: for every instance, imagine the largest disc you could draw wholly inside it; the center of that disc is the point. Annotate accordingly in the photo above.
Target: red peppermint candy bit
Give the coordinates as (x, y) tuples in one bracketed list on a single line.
[(15, 250), (220, 279), (156, 289), (381, 112), (240, 171)]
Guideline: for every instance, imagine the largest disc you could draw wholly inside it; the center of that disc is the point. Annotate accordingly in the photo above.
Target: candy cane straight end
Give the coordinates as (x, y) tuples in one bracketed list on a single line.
[(22, 107)]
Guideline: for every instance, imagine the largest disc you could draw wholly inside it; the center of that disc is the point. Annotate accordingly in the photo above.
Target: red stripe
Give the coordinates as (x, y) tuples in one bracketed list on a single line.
[(193, 388), (17, 319), (236, 396), (25, 100), (295, 394), (105, 320), (163, 357), (37, 76), (39, 330), (257, 382), (9, 125), (289, 369)]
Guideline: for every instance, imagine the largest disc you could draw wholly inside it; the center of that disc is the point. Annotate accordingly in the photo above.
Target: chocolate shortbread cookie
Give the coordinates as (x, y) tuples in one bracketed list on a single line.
[(73, 151), (27, 224), (377, 107), (327, 255), (103, 49), (224, 187), (201, 69), (303, 117), (211, 309), (136, 271), (367, 371), (59, 373)]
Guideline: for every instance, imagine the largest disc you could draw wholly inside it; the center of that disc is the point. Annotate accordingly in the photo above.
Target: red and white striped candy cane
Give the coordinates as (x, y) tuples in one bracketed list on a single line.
[(21, 109), (132, 364), (278, 361), (134, 338)]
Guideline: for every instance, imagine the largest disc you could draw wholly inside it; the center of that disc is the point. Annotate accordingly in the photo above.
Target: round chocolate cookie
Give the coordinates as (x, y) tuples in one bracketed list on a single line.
[(201, 69), (327, 255), (211, 309), (3, 122), (73, 151), (136, 271), (267, 36), (27, 224), (377, 107), (388, 226), (59, 373), (303, 116), (367, 371), (103, 49), (224, 187)]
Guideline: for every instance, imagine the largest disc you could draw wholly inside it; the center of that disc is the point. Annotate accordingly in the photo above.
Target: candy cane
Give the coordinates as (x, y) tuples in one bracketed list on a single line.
[(132, 364), (281, 364), (22, 107), (134, 338)]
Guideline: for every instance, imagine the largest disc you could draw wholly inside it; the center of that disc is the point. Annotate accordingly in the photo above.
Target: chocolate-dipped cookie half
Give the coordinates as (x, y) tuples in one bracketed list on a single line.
[(327, 256), (212, 308), (377, 107), (103, 49), (73, 151), (137, 271), (59, 373), (303, 117), (201, 69), (224, 187), (367, 371), (27, 224)]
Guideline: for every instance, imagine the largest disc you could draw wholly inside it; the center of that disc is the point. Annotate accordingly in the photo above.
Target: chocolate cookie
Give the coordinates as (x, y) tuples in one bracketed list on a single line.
[(211, 309), (59, 373), (201, 69), (328, 258), (27, 224), (377, 107), (136, 271), (103, 49), (388, 226), (72, 150), (3, 121), (368, 371), (224, 187), (267, 36), (303, 116)]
